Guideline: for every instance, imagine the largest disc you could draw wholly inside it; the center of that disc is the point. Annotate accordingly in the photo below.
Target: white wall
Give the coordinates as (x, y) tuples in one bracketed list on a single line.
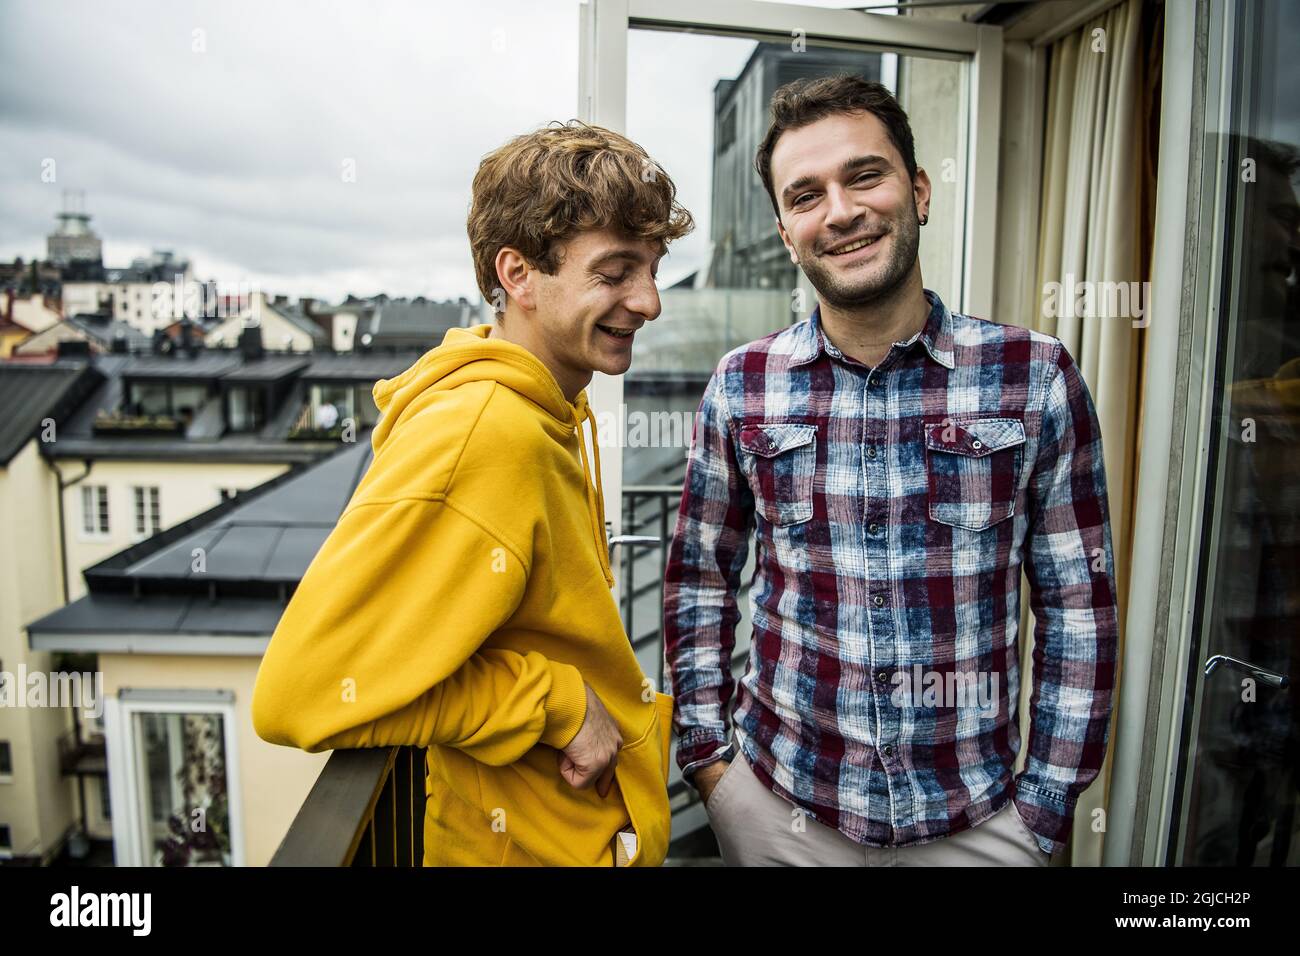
[(37, 802)]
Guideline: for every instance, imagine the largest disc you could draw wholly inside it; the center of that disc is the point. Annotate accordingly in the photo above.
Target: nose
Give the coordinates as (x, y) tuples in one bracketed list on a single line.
[(841, 210), (644, 298)]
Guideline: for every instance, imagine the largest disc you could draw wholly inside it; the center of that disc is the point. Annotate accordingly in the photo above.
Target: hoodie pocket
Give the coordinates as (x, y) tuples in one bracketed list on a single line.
[(642, 773)]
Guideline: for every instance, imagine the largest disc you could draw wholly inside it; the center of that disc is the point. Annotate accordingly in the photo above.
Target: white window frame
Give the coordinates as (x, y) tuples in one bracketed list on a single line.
[(602, 100), (97, 533), (126, 795), (152, 510)]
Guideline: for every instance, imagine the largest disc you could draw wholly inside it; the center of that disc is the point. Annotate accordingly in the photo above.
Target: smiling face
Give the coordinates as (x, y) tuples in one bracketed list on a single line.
[(849, 213), (584, 318)]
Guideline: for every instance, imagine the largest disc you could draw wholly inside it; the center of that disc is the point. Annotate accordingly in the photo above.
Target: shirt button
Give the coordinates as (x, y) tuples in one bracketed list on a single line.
[(874, 380), (874, 528), (871, 451), (977, 444), (880, 601), (882, 677), (887, 750)]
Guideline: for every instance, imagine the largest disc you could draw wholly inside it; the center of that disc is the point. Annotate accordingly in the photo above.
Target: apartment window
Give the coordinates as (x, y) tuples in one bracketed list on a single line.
[(187, 399), (247, 408), (6, 840), (180, 759), (94, 509), (6, 760), (147, 520), (331, 405), (106, 808), (166, 399)]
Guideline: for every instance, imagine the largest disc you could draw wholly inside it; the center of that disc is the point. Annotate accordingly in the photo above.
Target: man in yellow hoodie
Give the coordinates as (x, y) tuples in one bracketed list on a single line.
[(463, 603)]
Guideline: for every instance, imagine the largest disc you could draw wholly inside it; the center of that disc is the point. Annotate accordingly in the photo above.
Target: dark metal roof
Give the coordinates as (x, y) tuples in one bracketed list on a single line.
[(77, 439), (31, 393), (206, 364), (256, 549), (403, 322), (267, 369), (361, 366)]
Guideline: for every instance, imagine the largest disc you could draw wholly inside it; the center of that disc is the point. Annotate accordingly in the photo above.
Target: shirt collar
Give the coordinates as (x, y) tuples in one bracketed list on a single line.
[(935, 335)]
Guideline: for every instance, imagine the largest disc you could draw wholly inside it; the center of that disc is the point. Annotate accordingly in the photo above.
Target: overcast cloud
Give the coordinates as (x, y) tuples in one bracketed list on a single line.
[(233, 156)]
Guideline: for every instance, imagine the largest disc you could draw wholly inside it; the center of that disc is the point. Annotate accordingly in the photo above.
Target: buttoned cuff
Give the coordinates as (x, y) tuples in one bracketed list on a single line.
[(1048, 815), (700, 747)]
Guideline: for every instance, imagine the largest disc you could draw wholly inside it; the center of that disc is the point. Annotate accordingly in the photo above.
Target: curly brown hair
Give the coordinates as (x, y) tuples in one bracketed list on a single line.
[(545, 187)]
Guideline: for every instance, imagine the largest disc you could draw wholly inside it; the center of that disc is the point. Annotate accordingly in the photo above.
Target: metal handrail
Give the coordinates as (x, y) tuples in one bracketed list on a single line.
[(365, 809)]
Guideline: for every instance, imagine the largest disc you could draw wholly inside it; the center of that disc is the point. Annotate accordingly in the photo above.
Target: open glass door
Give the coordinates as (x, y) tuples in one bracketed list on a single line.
[(1238, 761), (690, 80)]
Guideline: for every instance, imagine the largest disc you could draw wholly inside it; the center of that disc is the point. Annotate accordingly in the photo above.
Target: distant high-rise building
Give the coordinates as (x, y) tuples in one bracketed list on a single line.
[(747, 252), (74, 240)]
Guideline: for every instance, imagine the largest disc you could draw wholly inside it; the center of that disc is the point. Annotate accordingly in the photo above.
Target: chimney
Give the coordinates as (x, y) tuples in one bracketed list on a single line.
[(188, 343), (120, 346), (250, 343), (161, 344), (73, 349)]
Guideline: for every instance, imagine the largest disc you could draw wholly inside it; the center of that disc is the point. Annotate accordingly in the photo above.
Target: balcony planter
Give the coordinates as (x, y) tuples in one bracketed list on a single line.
[(316, 434), (137, 425)]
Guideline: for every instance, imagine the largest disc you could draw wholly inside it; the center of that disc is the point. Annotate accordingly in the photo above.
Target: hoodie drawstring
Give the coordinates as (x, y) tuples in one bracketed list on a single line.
[(596, 498)]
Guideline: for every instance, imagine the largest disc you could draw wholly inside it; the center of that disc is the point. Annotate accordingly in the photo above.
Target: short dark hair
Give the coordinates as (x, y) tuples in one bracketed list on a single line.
[(808, 100)]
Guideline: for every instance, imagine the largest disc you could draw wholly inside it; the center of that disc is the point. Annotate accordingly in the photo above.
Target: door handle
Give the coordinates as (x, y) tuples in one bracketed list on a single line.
[(1280, 681)]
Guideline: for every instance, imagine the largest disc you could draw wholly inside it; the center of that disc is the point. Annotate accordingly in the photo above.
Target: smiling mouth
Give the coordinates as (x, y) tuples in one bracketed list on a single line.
[(617, 333), (853, 246)]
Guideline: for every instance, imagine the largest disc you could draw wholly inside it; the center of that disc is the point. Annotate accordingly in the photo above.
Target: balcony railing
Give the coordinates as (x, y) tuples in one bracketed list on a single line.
[(365, 809), (83, 755)]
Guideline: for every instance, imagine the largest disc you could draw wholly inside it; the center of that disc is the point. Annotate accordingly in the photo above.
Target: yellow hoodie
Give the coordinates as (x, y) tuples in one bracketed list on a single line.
[(460, 603)]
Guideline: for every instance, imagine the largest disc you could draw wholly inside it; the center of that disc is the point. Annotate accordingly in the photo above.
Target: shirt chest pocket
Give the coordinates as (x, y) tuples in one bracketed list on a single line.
[(779, 460), (973, 467)]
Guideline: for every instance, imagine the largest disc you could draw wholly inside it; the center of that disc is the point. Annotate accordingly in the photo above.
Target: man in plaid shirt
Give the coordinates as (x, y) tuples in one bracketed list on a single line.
[(898, 465)]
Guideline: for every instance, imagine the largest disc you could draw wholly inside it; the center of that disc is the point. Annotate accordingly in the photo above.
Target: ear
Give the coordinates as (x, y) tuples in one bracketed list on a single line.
[(785, 239), (517, 276), (921, 193)]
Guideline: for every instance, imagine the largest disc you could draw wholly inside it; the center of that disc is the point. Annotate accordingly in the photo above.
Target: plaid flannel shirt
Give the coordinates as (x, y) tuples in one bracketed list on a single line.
[(892, 511)]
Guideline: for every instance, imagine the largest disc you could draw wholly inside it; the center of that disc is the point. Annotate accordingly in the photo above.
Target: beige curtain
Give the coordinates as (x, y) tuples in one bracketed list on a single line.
[(1092, 218)]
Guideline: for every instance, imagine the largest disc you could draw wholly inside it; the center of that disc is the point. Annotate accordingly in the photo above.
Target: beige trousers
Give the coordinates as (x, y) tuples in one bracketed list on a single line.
[(755, 827)]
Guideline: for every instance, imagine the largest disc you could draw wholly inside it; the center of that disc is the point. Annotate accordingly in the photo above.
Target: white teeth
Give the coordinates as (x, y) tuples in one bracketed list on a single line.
[(852, 247)]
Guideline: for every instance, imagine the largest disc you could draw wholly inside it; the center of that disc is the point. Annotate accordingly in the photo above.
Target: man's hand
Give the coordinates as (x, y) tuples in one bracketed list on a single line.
[(707, 777), (593, 753)]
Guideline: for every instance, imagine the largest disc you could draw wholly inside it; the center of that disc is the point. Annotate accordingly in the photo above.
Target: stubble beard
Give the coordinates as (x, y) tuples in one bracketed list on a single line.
[(885, 282)]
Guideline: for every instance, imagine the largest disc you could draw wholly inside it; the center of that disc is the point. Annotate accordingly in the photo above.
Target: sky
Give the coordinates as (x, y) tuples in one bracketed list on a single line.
[(221, 130)]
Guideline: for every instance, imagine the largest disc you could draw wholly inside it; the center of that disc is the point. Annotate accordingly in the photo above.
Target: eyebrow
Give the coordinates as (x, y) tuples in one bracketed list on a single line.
[(850, 166), (616, 255)]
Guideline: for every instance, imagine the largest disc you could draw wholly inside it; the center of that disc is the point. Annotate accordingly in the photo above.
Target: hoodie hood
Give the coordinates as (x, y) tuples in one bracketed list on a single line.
[(468, 355)]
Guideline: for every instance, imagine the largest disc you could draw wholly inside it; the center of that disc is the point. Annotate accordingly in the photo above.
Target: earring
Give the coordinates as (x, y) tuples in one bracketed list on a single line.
[(925, 219)]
